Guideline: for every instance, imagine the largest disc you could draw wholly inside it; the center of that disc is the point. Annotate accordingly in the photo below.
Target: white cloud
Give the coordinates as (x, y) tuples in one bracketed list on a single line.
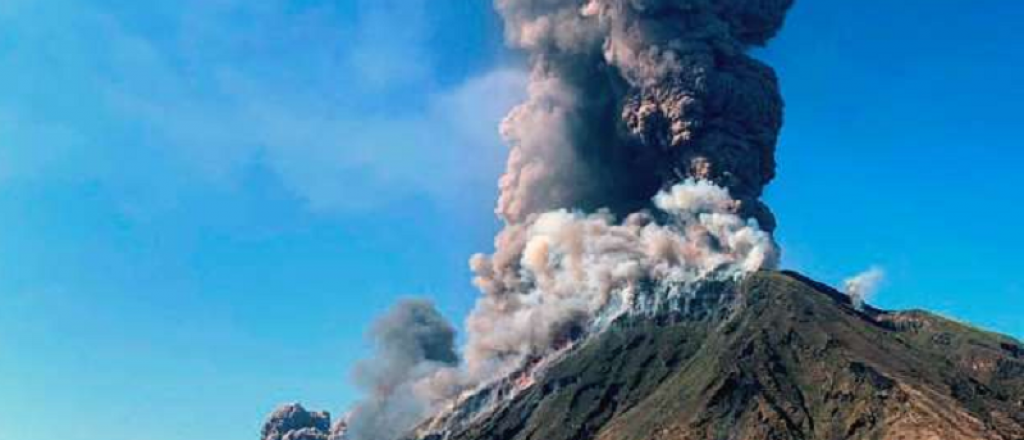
[(337, 160)]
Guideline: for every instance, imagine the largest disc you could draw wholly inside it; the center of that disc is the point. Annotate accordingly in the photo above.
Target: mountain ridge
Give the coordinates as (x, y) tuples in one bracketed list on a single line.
[(776, 356), (795, 359)]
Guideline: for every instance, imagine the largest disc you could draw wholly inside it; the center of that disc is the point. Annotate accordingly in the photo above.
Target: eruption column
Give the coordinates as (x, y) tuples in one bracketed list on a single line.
[(627, 99), (636, 168)]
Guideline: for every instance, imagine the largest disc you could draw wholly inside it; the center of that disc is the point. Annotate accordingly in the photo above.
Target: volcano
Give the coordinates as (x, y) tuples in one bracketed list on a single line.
[(784, 357), (632, 291)]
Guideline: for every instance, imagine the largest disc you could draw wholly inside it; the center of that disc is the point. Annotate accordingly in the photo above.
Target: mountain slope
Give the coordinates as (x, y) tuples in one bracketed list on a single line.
[(789, 359)]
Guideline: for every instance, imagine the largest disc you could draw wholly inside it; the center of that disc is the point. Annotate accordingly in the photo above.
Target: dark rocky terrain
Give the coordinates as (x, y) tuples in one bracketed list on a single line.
[(789, 359)]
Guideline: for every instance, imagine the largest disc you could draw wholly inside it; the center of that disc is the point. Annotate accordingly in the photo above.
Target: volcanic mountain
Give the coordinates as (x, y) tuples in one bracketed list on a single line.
[(630, 293), (776, 356)]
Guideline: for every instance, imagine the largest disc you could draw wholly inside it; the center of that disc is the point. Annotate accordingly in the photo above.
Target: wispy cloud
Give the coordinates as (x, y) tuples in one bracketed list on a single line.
[(345, 116), (388, 47)]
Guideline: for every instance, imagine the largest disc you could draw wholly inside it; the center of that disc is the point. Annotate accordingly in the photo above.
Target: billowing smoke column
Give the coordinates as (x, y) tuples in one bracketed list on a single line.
[(627, 99), (635, 174), (630, 96)]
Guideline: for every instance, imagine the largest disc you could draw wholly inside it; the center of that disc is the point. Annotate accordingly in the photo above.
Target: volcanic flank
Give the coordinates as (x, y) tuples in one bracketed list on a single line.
[(630, 292), (784, 358)]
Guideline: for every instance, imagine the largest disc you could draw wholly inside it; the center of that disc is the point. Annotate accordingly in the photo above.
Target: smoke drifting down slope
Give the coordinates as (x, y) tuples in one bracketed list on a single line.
[(634, 175), (572, 272), (574, 275)]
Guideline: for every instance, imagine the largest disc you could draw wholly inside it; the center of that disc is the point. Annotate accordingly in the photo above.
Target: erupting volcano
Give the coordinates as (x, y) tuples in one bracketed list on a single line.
[(632, 294)]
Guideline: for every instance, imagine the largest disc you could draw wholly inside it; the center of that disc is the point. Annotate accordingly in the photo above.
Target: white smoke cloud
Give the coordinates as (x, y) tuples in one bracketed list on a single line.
[(863, 286), (555, 279), (556, 275)]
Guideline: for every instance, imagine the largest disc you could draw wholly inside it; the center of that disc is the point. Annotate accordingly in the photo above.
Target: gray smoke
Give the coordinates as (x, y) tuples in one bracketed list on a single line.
[(412, 370), (632, 96)]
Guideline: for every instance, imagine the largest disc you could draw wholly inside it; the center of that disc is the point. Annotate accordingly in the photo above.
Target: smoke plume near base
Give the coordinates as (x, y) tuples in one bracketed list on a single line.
[(412, 371), (863, 286), (571, 274)]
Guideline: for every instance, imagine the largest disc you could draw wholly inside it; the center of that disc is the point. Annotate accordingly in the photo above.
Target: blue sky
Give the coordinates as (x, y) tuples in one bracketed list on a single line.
[(204, 203)]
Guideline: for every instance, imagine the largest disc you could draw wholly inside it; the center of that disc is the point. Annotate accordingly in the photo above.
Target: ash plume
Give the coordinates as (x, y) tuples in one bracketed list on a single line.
[(635, 172), (649, 115), (413, 368), (631, 96)]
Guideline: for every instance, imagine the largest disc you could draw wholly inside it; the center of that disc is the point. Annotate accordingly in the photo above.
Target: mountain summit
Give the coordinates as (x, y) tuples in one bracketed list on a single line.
[(784, 358)]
